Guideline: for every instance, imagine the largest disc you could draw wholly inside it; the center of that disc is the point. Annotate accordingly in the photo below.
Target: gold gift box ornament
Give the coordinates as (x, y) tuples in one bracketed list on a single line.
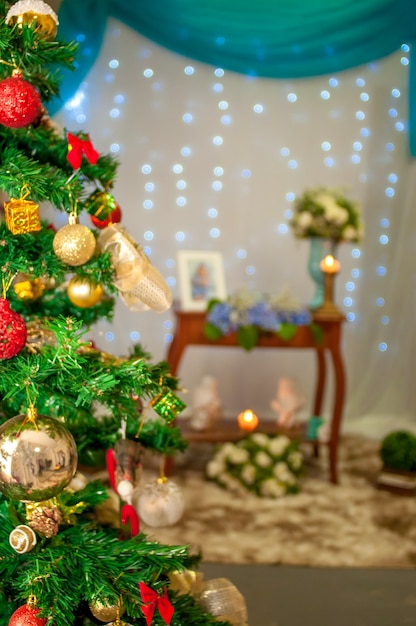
[(22, 216)]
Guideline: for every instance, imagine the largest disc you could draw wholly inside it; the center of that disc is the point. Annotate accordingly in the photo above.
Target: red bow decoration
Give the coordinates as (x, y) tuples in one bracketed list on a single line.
[(77, 147), (153, 600)]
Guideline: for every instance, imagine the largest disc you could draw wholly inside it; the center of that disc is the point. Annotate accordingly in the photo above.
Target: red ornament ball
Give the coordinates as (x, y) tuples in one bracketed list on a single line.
[(13, 331), (113, 218), (20, 102), (25, 616)]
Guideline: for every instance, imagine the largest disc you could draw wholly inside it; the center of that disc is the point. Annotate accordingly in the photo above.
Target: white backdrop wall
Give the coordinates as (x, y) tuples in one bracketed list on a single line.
[(211, 160)]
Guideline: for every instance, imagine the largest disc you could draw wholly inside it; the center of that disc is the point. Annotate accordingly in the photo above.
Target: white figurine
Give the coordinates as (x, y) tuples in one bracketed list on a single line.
[(288, 401), (206, 404)]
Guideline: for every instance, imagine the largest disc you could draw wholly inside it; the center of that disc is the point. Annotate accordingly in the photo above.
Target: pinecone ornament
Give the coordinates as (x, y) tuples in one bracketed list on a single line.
[(45, 520)]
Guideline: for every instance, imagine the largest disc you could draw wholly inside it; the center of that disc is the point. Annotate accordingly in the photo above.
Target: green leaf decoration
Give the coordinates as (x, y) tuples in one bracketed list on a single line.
[(212, 332), (247, 337), (211, 303), (317, 332), (287, 331)]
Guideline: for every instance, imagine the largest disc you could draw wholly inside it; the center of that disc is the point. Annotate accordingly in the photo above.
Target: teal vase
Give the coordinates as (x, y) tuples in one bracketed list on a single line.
[(319, 248)]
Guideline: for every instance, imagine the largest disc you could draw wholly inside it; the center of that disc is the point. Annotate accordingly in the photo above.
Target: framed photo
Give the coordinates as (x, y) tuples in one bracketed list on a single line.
[(201, 278)]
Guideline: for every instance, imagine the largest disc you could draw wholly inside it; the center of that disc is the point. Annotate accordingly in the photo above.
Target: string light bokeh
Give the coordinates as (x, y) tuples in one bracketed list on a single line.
[(212, 160)]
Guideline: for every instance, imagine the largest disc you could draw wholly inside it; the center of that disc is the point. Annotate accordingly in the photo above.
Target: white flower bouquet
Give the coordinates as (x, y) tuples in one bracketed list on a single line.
[(269, 466), (325, 212)]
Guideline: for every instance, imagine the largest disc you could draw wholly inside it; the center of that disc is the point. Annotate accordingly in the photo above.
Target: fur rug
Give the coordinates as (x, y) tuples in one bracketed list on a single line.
[(353, 524)]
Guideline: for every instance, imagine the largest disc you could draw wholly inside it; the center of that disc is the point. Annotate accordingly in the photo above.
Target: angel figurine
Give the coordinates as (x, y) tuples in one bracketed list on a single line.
[(288, 402), (206, 404)]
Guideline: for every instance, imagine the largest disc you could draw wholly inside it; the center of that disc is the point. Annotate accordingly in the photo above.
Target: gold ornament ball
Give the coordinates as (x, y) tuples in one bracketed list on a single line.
[(34, 13), (83, 292), (223, 600), (38, 457), (74, 244), (105, 612)]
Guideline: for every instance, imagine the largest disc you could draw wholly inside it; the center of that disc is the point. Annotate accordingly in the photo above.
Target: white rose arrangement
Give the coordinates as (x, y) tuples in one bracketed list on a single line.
[(268, 466), (325, 212)]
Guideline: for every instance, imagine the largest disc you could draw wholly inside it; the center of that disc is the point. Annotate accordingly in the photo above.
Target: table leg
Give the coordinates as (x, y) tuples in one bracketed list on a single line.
[(320, 383), (339, 393), (173, 359), (174, 354), (319, 390)]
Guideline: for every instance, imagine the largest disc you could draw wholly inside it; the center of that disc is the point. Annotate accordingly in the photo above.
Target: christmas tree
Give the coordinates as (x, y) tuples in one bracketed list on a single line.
[(63, 401)]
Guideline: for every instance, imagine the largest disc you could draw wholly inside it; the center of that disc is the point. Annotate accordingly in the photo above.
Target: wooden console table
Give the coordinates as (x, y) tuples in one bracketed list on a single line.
[(190, 331)]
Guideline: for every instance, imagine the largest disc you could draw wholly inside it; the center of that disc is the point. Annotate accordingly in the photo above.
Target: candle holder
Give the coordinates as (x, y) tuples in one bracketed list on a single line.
[(328, 309)]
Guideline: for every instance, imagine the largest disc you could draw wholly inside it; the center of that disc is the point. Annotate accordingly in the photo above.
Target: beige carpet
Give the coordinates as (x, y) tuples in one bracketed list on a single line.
[(353, 524)]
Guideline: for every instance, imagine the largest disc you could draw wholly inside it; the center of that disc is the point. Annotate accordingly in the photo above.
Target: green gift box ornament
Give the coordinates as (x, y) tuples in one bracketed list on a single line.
[(167, 405)]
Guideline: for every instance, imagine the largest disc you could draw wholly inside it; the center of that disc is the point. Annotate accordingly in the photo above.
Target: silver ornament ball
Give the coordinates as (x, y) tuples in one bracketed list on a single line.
[(38, 458)]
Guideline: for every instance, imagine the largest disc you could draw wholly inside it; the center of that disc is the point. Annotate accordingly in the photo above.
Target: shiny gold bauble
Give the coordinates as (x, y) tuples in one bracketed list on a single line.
[(34, 13), (186, 581), (223, 600), (74, 244), (105, 612), (83, 292), (38, 457)]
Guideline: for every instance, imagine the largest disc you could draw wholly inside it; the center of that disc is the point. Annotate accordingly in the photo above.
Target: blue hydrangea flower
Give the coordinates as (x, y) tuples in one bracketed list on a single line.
[(219, 315), (228, 317), (263, 316)]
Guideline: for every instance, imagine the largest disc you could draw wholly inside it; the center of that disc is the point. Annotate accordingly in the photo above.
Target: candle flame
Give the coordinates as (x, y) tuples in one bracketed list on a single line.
[(247, 420), (330, 265)]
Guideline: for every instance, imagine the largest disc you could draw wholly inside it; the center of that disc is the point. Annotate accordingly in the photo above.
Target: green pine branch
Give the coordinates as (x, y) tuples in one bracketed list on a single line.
[(95, 394), (32, 254), (22, 48), (71, 380), (105, 567), (46, 172), (20, 174)]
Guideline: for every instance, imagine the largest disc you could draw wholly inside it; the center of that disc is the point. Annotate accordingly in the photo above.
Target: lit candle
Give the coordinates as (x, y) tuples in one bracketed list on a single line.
[(247, 420), (329, 265)]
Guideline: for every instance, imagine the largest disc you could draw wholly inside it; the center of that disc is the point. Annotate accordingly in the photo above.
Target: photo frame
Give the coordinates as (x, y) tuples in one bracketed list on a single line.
[(201, 278)]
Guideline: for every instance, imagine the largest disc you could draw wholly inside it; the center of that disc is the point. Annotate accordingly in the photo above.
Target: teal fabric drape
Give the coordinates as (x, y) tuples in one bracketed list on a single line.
[(269, 38)]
